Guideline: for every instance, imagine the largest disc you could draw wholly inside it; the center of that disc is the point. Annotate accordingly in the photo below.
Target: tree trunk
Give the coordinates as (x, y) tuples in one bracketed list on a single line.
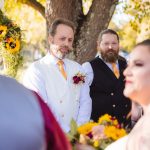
[(87, 26)]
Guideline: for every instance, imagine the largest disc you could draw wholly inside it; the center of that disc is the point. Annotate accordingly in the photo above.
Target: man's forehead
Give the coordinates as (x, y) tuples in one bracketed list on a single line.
[(108, 37), (64, 27)]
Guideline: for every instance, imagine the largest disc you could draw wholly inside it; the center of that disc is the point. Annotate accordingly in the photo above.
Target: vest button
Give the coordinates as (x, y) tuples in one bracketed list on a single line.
[(114, 105), (112, 94)]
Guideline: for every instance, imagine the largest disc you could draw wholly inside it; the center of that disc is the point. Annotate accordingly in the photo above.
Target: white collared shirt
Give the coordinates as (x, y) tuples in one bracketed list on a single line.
[(54, 60)]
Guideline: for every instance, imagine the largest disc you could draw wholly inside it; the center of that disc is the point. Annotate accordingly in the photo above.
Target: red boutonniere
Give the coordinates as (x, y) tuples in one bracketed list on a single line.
[(78, 78)]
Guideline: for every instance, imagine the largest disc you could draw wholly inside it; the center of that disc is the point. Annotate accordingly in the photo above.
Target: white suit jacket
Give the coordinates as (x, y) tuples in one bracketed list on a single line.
[(66, 99)]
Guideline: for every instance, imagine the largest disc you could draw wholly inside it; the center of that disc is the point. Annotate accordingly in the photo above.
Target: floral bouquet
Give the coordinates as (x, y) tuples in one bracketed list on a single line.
[(10, 45), (97, 134)]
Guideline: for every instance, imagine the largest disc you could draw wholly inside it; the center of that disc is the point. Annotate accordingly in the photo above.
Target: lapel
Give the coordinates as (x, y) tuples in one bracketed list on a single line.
[(49, 61), (122, 66), (106, 69), (67, 69)]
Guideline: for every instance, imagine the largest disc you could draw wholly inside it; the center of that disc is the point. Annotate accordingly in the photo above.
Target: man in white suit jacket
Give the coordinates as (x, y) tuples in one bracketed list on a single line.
[(66, 99)]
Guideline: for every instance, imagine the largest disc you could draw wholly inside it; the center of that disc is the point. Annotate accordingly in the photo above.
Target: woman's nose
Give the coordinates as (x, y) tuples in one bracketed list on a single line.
[(127, 71)]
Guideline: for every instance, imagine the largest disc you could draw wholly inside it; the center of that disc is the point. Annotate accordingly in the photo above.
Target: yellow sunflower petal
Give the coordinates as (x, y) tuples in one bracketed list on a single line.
[(12, 45)]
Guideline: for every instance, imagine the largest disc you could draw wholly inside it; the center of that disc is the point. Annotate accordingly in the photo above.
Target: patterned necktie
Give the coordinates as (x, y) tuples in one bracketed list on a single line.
[(60, 64), (115, 70)]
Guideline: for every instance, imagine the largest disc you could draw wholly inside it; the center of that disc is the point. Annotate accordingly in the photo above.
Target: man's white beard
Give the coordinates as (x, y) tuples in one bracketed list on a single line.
[(54, 49)]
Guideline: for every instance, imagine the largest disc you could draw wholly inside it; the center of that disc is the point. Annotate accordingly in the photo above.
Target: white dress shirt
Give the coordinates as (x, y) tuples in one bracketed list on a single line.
[(65, 99), (89, 71)]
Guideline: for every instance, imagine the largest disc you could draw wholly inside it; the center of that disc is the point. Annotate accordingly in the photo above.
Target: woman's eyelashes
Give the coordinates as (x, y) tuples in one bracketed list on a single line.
[(138, 63)]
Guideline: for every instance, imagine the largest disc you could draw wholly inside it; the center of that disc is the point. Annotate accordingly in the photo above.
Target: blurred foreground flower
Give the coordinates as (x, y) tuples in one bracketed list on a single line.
[(96, 134)]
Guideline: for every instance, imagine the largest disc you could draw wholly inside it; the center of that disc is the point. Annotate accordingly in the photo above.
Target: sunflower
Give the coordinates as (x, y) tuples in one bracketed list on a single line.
[(3, 31), (12, 45), (108, 120), (86, 128), (114, 133)]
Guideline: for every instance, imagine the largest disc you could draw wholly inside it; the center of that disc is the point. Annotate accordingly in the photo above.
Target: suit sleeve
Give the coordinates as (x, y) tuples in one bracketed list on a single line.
[(89, 72), (33, 79)]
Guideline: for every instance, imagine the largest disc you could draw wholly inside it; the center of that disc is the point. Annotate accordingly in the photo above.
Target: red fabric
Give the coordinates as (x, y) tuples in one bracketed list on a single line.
[(56, 139)]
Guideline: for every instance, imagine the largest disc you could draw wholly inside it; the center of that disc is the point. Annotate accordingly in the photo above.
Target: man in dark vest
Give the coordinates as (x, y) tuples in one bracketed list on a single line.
[(106, 80)]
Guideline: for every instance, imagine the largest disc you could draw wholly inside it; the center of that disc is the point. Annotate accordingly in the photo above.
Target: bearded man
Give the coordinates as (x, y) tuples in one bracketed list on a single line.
[(53, 78), (106, 80)]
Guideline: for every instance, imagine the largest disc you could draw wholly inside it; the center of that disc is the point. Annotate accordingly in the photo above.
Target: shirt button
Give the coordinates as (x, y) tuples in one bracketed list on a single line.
[(114, 105), (62, 115), (112, 94), (60, 101), (126, 105)]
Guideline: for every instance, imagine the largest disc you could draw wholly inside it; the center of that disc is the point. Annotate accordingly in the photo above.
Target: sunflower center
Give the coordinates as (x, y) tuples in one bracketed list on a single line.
[(12, 45), (1, 31)]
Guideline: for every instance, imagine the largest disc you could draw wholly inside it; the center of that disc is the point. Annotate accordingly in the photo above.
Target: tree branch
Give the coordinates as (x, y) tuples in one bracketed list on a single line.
[(37, 6)]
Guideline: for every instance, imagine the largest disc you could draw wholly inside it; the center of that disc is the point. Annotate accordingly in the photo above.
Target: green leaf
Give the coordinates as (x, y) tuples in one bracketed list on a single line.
[(73, 127), (70, 136), (73, 135)]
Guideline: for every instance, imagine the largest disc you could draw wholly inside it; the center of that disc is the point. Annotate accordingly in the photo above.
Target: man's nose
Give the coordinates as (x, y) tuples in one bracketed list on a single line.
[(110, 46), (66, 42)]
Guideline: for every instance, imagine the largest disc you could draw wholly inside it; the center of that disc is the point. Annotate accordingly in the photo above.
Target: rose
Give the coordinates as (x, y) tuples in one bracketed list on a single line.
[(78, 78)]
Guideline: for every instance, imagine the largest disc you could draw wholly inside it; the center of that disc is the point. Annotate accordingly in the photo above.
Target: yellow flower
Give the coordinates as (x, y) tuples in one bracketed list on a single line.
[(3, 31), (107, 119), (96, 143), (114, 133), (86, 128), (12, 45)]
